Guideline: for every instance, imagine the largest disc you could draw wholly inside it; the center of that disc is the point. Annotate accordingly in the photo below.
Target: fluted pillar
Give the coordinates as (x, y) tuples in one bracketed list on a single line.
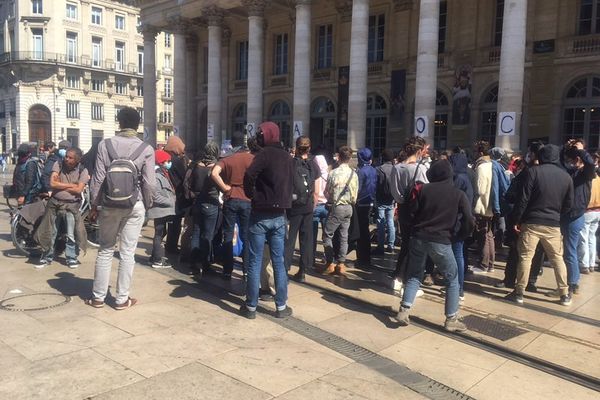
[(512, 74), (357, 97), (256, 40), (180, 84), (191, 59), (427, 66), (214, 17), (302, 62), (150, 33)]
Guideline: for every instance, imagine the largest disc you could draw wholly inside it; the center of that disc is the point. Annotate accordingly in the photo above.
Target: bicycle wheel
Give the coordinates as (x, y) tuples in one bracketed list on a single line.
[(23, 238), (92, 230)]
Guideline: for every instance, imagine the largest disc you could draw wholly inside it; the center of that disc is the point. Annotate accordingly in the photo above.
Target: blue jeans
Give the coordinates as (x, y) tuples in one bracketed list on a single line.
[(270, 228), (571, 231), (458, 250), (235, 210), (205, 223), (319, 215), (442, 256), (385, 219), (64, 222)]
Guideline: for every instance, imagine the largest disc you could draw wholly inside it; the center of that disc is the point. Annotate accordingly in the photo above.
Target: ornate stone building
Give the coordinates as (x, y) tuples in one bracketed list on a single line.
[(67, 66), (374, 72)]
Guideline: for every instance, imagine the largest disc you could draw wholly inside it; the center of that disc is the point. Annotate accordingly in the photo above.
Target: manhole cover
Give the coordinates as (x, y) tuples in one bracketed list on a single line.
[(34, 302), (490, 327)]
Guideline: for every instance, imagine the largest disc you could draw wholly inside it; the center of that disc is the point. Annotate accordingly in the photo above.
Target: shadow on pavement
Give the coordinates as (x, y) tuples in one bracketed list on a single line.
[(71, 285)]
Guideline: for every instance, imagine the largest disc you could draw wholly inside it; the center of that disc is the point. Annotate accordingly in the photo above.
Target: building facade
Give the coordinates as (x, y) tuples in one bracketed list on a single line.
[(68, 66), (373, 72)]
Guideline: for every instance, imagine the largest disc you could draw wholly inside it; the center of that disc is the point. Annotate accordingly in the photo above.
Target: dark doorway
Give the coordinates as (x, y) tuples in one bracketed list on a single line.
[(39, 124)]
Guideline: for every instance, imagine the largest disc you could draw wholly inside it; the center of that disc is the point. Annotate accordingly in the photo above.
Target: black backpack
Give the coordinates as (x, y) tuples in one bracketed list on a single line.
[(384, 191), (121, 185), (303, 183)]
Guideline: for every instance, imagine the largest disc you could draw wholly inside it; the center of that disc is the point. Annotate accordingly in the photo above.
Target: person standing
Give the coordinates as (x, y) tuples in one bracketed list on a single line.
[(342, 192), (385, 204), (484, 208), (122, 219), (300, 215), (545, 197), (228, 174), (176, 148), (320, 212), (437, 208), (367, 187), (592, 219), (582, 168), (67, 181), (206, 209), (267, 182), (27, 181), (163, 208)]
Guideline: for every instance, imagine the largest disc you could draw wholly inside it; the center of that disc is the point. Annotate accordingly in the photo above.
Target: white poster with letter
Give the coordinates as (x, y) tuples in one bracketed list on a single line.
[(507, 123), (210, 131), (422, 126), (250, 129), (297, 129)]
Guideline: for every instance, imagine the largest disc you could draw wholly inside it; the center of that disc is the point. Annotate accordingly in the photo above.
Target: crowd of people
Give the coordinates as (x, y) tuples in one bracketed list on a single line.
[(256, 201)]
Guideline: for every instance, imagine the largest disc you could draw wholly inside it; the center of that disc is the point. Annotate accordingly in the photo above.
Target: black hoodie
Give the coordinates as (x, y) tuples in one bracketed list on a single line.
[(439, 206), (546, 192)]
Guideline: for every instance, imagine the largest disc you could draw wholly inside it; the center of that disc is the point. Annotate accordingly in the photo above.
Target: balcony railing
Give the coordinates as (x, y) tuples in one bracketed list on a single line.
[(324, 74), (59, 58), (585, 44)]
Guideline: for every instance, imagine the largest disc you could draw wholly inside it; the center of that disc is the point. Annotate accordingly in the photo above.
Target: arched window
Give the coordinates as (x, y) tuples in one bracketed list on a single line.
[(489, 115), (280, 114), (442, 109), (322, 124), (376, 124), (239, 119), (581, 111)]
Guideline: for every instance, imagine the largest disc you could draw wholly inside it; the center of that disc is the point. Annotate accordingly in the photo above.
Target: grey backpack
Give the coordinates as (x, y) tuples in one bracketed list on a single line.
[(120, 188)]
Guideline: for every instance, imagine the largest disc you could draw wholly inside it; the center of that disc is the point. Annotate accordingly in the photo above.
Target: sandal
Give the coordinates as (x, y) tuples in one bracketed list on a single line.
[(94, 303), (129, 303)]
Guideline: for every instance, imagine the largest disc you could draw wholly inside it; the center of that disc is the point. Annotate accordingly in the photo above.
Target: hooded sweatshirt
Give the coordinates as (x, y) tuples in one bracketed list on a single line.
[(546, 192), (367, 178), (582, 185), (268, 179), (440, 206), (462, 181), (176, 148)]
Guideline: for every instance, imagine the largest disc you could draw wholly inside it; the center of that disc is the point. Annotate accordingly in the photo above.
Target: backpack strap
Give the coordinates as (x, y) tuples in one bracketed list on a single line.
[(138, 152), (112, 153)]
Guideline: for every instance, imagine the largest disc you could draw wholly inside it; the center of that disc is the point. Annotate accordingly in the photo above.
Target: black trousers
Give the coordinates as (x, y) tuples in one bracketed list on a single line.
[(301, 224), (363, 246), (160, 230), (174, 233)]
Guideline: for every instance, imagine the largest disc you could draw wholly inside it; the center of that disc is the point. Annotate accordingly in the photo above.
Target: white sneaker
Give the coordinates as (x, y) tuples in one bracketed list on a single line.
[(420, 293), (42, 264)]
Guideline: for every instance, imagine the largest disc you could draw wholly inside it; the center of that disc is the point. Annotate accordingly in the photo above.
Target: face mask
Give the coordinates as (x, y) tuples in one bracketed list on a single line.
[(62, 153), (168, 165), (528, 158)]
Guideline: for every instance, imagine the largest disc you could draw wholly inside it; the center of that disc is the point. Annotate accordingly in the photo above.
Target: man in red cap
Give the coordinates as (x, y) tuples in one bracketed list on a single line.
[(268, 183)]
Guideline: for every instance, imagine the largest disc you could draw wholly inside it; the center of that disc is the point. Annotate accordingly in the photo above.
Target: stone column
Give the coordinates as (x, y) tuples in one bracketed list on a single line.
[(150, 33), (427, 66), (256, 43), (8, 126), (214, 16), (512, 74), (191, 59), (180, 84), (302, 60), (357, 97)]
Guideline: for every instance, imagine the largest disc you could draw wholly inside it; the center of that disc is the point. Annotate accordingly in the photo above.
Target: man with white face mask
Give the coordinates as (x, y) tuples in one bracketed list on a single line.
[(54, 155)]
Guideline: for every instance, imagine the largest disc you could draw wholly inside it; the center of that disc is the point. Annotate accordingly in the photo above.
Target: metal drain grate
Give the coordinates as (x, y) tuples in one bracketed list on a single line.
[(34, 302), (413, 380), (489, 327)]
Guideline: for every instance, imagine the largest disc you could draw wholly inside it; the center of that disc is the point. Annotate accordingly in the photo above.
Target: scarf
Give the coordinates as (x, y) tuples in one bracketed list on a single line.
[(127, 133)]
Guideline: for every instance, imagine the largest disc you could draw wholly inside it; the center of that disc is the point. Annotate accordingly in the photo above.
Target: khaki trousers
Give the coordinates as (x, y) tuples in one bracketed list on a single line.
[(551, 241)]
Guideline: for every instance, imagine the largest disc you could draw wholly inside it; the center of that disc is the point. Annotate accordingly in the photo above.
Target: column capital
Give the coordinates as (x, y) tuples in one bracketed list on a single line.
[(344, 8), (214, 15), (179, 24), (255, 8), (149, 31)]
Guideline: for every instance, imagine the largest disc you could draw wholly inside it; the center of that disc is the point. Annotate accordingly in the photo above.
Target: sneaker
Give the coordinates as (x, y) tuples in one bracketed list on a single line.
[(227, 276), (461, 299), (573, 288), (73, 263), (531, 288), (389, 250), (479, 270), (565, 300), (286, 312), (454, 324), (130, 302), (491, 269), (163, 263), (500, 285), (245, 312), (42, 264), (420, 293), (428, 281), (515, 297), (265, 295), (340, 269), (402, 316), (329, 270), (584, 271), (299, 277)]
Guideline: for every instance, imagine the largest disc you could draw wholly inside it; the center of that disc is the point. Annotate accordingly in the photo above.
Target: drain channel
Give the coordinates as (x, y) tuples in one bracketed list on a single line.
[(413, 380)]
